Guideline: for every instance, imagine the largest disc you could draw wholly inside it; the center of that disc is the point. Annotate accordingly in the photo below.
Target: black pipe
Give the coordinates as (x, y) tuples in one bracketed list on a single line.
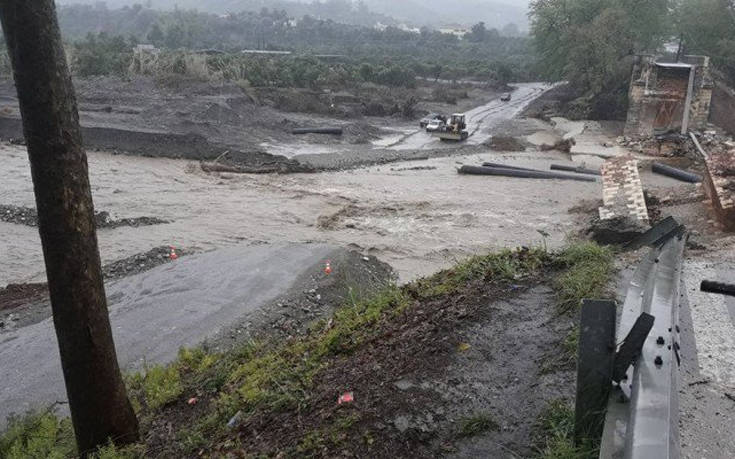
[(576, 170), (334, 131), (505, 166), (673, 172), (503, 172), (718, 287)]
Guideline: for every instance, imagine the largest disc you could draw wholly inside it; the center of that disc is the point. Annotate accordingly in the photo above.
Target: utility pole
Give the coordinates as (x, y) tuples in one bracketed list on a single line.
[(100, 409)]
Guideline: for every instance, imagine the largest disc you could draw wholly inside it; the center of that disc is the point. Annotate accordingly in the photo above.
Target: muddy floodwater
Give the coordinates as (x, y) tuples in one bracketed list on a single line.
[(418, 220)]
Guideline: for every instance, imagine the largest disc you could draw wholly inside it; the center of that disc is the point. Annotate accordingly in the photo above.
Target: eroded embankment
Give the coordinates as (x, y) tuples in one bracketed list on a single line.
[(471, 362), (169, 145)]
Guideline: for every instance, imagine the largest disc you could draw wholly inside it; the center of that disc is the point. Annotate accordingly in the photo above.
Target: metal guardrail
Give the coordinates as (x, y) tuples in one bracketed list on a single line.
[(642, 420)]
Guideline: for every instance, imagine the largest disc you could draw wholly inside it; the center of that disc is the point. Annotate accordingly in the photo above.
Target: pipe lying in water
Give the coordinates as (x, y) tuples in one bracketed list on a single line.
[(575, 169), (503, 172)]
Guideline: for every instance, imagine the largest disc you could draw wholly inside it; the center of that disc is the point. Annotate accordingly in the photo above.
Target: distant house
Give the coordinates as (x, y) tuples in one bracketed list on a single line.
[(457, 30), (407, 28)]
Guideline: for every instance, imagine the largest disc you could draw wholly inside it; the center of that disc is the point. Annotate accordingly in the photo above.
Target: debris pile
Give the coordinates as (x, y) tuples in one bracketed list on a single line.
[(505, 143), (141, 262), (666, 146), (720, 184)]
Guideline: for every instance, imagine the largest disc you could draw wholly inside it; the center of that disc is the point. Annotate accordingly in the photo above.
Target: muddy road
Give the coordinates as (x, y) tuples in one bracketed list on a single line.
[(480, 121)]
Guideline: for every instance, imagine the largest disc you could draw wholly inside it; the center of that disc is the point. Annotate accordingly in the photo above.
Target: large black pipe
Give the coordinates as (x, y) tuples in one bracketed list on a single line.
[(505, 166), (333, 131), (673, 172), (718, 287), (575, 169), (503, 172)]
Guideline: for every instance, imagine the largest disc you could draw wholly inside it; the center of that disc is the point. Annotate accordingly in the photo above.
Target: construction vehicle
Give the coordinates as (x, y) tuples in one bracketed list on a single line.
[(455, 129)]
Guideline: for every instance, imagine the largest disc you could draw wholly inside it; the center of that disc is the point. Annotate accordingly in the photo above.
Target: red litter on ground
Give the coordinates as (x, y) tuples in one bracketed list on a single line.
[(172, 255), (328, 268), (347, 397), (193, 401)]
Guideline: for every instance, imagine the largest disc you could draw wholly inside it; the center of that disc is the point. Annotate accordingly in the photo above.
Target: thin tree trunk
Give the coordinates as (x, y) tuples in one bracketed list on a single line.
[(98, 401)]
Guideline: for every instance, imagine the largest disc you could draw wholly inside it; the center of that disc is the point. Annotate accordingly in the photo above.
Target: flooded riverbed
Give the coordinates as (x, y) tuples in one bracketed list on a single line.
[(419, 221)]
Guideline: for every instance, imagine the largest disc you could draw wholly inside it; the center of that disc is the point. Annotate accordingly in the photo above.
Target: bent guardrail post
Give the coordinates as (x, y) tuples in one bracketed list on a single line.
[(595, 355)]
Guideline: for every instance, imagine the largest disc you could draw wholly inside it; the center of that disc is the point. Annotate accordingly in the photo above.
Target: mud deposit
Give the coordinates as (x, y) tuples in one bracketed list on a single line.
[(26, 304), (28, 216)]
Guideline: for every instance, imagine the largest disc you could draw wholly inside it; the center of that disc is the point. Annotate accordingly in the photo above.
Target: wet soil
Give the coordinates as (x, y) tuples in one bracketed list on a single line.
[(246, 128), (443, 360), (26, 304), (28, 216), (315, 295)]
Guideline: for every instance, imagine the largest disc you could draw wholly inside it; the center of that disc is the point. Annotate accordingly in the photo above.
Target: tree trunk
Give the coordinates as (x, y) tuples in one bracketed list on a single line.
[(100, 409)]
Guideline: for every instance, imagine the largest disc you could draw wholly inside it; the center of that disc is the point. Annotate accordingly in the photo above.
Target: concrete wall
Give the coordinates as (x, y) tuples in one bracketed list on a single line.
[(722, 112)]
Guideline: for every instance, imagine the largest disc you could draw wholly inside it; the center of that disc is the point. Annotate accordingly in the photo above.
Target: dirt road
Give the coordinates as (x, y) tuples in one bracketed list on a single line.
[(480, 121)]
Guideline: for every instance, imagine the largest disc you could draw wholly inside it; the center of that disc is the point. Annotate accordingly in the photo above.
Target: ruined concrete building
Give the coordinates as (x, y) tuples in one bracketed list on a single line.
[(669, 97)]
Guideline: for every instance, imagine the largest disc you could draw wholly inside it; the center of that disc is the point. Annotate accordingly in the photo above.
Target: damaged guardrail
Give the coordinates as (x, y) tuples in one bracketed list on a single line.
[(628, 394)]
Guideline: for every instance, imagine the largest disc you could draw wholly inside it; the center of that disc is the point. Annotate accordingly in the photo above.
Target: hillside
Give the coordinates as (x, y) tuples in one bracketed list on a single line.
[(494, 13)]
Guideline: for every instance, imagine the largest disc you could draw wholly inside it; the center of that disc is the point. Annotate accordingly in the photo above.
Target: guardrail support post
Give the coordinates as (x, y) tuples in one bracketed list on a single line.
[(595, 357)]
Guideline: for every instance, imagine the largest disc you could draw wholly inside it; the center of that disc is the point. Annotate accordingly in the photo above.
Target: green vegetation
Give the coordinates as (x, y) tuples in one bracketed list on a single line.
[(505, 266), (591, 43), (556, 434), (708, 27), (332, 436), (476, 425), (44, 435), (38, 435), (273, 380), (589, 270), (102, 54), (390, 56)]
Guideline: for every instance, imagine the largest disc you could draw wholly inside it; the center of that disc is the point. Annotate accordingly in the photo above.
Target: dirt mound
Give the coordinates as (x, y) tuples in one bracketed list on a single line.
[(15, 295), (141, 262), (505, 143)]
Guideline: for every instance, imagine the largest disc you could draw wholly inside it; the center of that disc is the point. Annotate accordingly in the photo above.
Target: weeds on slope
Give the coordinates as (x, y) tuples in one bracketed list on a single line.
[(556, 429), (203, 401)]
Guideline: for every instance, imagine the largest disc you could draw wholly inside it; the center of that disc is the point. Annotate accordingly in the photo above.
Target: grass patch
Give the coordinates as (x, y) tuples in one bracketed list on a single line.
[(315, 443), (505, 266), (476, 425), (44, 435), (556, 432), (588, 269), (38, 435)]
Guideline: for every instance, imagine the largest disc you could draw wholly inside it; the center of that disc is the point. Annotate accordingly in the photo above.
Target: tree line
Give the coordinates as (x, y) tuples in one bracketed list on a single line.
[(592, 43), (103, 40)]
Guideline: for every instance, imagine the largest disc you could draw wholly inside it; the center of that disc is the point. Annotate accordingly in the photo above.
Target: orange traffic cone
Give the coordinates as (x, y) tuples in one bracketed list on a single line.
[(172, 255), (328, 268)]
